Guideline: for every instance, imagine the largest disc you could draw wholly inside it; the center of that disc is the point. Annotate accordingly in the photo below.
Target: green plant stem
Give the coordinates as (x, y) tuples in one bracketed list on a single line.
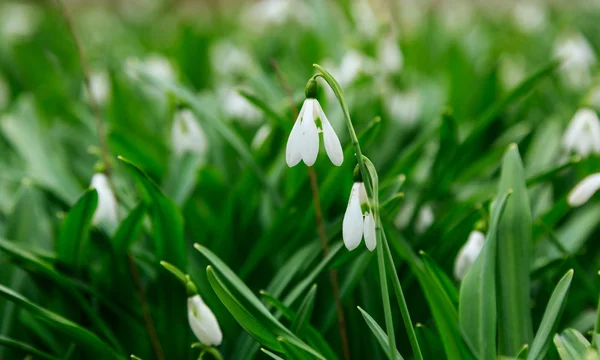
[(382, 254)]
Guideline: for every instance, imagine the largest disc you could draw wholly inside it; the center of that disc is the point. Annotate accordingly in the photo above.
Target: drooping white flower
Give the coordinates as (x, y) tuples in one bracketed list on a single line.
[(203, 322), (365, 18), (236, 106), (358, 219), (106, 213), (187, 135), (577, 59), (425, 219), (584, 190), (468, 253), (156, 65), (404, 107), (303, 143), (352, 65), (264, 14), (18, 21), (389, 55), (529, 16), (583, 133), (99, 86), (229, 60)]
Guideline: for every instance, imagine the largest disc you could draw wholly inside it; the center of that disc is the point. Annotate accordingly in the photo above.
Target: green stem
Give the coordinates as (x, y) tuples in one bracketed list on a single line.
[(383, 252)]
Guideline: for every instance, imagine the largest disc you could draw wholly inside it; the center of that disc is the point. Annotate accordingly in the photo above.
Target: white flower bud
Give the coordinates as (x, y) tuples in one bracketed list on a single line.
[(203, 322)]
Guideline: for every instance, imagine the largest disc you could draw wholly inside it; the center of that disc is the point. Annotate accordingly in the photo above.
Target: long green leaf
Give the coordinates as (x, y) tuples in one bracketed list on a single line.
[(541, 342), (477, 306), (72, 240), (305, 310), (514, 259), (26, 348), (129, 229), (379, 334), (571, 345)]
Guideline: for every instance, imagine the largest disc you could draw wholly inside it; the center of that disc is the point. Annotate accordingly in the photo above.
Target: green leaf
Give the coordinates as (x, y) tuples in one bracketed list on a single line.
[(270, 354), (541, 342), (71, 246), (77, 333), (275, 120), (514, 259), (304, 311), (26, 348), (571, 345), (129, 229), (477, 307), (429, 341), (379, 334), (440, 277)]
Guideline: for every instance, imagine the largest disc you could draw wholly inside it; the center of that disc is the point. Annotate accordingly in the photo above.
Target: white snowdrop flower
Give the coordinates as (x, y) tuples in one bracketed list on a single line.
[(237, 107), (456, 16), (468, 253), (303, 143), (365, 18), (529, 16), (160, 67), (99, 86), (203, 322), (264, 14), (106, 213), (583, 133), (358, 219), (584, 190), (18, 21), (352, 65), (187, 135), (229, 60), (404, 107), (578, 57), (389, 55), (261, 136), (425, 219)]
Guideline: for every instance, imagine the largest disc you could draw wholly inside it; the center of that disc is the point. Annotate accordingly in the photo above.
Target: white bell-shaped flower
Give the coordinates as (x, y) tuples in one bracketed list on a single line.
[(389, 55), (583, 133), (425, 219), (468, 253), (187, 135), (358, 220), (303, 143), (106, 213), (203, 322), (577, 57), (584, 190)]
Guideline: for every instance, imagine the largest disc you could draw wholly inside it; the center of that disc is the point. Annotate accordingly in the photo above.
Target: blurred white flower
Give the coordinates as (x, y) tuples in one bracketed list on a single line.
[(236, 106), (99, 86), (156, 65), (303, 143), (203, 322), (456, 16), (404, 107), (578, 57), (4, 93), (583, 133), (365, 18), (106, 214), (229, 60), (584, 190), (352, 65), (18, 21), (358, 220), (261, 135), (187, 135), (468, 253), (512, 70), (529, 16), (425, 219), (389, 55), (263, 14)]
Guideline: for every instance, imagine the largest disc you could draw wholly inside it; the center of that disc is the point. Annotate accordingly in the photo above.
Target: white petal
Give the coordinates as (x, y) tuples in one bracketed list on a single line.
[(106, 213), (424, 219), (362, 193), (352, 226), (187, 135), (369, 230), (583, 191), (468, 254), (293, 153), (332, 143), (583, 133), (310, 145), (203, 322)]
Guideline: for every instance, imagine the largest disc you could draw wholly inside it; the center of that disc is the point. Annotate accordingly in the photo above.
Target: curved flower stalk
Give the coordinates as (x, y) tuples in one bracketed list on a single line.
[(468, 253), (584, 190), (583, 133), (358, 219), (303, 143), (106, 214)]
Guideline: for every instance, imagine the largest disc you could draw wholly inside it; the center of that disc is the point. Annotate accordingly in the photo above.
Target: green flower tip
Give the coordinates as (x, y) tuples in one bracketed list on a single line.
[(311, 89), (512, 146), (190, 287)]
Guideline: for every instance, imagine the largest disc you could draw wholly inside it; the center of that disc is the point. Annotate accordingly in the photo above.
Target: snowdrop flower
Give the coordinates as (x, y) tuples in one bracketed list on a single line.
[(468, 253), (353, 64), (583, 191), (578, 58), (236, 106), (404, 107), (187, 135), (18, 21), (203, 322), (583, 133), (529, 16), (229, 60), (365, 18), (424, 219), (264, 14), (99, 86), (303, 143), (389, 55), (106, 213), (155, 65), (358, 219)]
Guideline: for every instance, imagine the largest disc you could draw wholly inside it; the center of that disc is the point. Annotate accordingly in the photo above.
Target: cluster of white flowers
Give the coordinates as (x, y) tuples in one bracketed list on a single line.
[(577, 58)]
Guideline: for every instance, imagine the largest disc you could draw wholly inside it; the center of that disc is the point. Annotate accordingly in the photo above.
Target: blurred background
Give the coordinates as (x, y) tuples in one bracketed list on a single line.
[(235, 65)]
